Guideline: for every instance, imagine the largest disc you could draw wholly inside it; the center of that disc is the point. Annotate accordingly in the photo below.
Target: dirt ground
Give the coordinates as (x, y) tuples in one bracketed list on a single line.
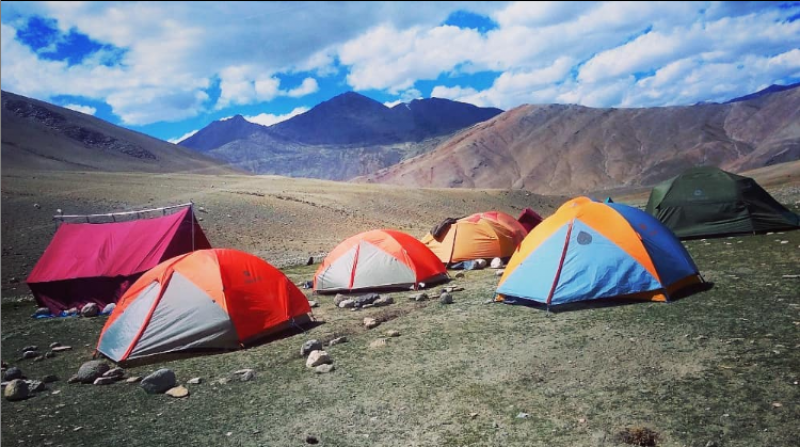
[(719, 367)]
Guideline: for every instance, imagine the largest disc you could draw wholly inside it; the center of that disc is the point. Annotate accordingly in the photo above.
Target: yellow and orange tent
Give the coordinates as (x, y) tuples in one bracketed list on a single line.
[(204, 300), (492, 234)]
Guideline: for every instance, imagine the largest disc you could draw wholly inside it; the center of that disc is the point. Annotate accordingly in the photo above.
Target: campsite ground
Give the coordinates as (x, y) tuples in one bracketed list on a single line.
[(718, 366)]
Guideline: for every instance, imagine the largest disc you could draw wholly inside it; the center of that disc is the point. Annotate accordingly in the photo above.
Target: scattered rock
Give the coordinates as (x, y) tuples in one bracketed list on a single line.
[(312, 440), (326, 368), (377, 344), (310, 260), (72, 311), (368, 298), (54, 344), (480, 264), (49, 354), (523, 416), (114, 373), (159, 381), (582, 420), (37, 206), (39, 358), (711, 444), (337, 341), (73, 379), (383, 301), (195, 381), (474, 415), (392, 333), (310, 345), (347, 304), (29, 348), (313, 304), (77, 429), (90, 310), (370, 323), (777, 404), (460, 275), (496, 263), (422, 296), (489, 301), (500, 272), (105, 380), (317, 358), (247, 376), (177, 392), (223, 381), (109, 308), (50, 378), (90, 371), (446, 298), (339, 298), (35, 386), (41, 312), (16, 389), (30, 354), (62, 348)]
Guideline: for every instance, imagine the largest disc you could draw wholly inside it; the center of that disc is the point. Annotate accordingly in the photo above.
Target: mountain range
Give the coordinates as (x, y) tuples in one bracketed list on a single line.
[(40, 136), (568, 149), (346, 136)]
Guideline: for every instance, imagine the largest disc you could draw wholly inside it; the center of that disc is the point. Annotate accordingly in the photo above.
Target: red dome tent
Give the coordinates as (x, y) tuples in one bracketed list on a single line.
[(214, 299), (97, 262)]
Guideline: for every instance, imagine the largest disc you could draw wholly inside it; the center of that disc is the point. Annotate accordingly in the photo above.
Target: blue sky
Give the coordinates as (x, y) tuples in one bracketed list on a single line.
[(168, 69)]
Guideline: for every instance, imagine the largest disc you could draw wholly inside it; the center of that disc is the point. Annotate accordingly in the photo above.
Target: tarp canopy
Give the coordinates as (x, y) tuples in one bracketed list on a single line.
[(91, 262), (205, 300), (707, 201)]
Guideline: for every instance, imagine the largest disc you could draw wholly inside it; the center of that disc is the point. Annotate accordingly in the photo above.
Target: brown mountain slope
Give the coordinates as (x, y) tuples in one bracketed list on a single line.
[(569, 149), (41, 136)]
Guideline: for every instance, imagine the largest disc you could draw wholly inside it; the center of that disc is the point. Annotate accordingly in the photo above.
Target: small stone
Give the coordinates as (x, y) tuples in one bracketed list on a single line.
[(50, 378), (777, 404), (177, 392), (55, 393), (194, 381), (392, 333), (310, 261), (346, 304), (317, 358), (422, 296), (54, 344), (37, 206), (452, 289), (500, 272), (35, 386), (496, 263), (247, 376), (480, 264), (49, 354), (114, 373), (72, 311), (312, 440), (711, 444), (133, 379), (495, 425), (377, 344), (489, 301), (323, 369), (62, 348), (77, 429), (383, 301), (90, 371), (370, 323), (460, 275), (90, 310), (223, 380), (109, 308), (313, 304), (16, 389), (446, 298), (337, 341), (339, 298), (105, 380), (39, 358), (29, 348), (73, 379), (30, 354), (12, 373), (159, 381), (582, 420), (310, 345), (523, 416), (41, 312), (473, 415)]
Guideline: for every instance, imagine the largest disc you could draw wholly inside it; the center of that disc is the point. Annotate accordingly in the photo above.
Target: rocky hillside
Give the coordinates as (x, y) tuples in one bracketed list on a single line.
[(341, 138), (568, 149), (37, 135)]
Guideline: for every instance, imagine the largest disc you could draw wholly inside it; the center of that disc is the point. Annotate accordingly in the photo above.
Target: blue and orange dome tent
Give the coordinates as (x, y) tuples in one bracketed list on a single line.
[(589, 250)]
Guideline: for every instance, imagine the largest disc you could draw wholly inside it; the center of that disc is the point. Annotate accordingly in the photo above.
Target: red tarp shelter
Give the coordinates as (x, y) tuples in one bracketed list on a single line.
[(529, 218), (97, 262)]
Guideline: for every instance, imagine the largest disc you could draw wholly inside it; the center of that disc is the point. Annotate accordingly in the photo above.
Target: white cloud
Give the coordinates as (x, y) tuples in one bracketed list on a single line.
[(89, 110), (455, 93), (183, 137), (268, 119), (308, 87)]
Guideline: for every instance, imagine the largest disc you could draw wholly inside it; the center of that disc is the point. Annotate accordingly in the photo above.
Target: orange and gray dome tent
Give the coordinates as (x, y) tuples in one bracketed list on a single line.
[(378, 259), (215, 299), (492, 234), (589, 250)]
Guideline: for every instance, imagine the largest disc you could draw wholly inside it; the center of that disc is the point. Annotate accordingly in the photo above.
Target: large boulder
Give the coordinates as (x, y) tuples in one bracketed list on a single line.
[(90, 371), (17, 389), (159, 381), (310, 345)]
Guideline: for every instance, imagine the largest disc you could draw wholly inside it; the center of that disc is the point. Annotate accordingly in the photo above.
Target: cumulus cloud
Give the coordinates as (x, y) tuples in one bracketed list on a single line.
[(89, 110), (455, 93), (183, 137), (268, 119), (308, 87)]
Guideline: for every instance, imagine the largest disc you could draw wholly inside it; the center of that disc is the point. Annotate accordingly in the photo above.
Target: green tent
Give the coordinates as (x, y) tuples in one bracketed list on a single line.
[(708, 201)]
